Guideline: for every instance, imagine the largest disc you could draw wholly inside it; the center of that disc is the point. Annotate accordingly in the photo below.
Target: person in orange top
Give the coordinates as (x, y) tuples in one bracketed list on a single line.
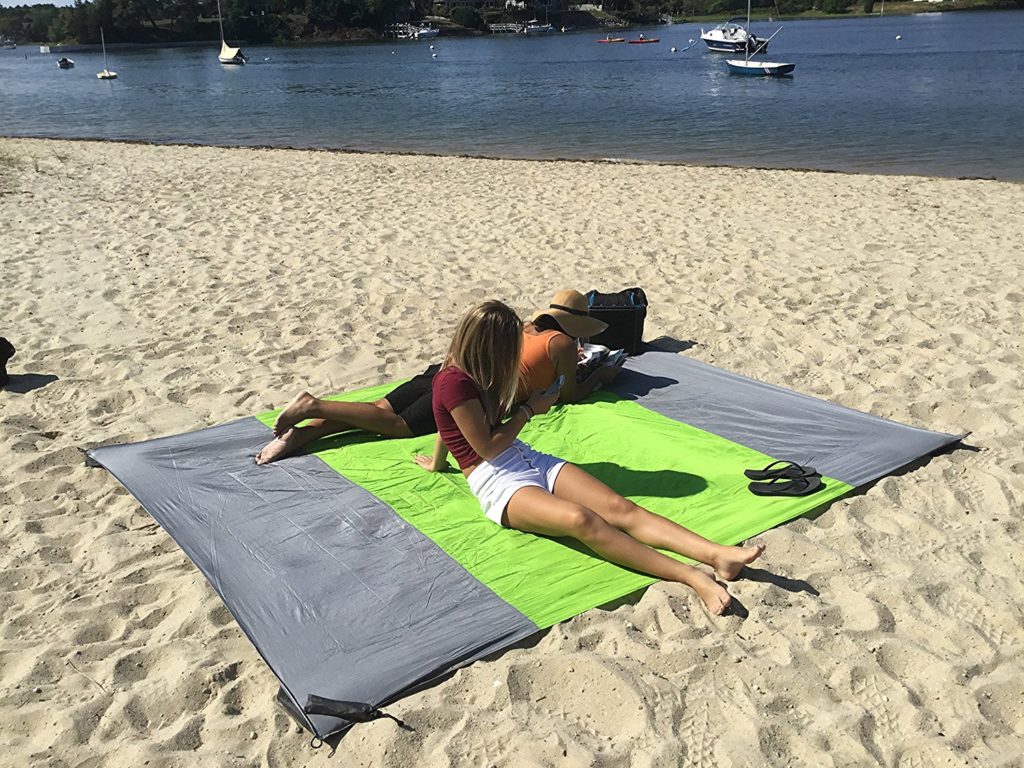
[(551, 349)]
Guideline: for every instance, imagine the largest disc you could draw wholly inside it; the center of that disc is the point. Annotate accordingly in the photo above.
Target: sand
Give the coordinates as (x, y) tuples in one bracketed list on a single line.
[(154, 290)]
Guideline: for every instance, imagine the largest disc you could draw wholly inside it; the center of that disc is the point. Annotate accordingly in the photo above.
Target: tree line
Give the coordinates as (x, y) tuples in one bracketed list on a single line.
[(262, 21)]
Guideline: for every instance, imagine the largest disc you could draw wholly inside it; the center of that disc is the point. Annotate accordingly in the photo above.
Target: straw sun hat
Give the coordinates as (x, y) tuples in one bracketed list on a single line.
[(571, 311)]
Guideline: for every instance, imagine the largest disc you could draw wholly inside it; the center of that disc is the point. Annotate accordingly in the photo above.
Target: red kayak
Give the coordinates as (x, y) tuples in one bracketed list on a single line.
[(644, 40)]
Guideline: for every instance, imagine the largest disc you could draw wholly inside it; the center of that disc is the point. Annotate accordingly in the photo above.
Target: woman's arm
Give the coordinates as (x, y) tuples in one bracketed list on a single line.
[(566, 357), (472, 422), (438, 461)]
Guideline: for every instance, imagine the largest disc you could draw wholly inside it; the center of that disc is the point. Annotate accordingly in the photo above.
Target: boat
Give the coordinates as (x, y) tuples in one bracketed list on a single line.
[(227, 55), (644, 40), (733, 37), (534, 27), (611, 39), (426, 32), (755, 68), (759, 68), (106, 74), (6, 42), (65, 63)]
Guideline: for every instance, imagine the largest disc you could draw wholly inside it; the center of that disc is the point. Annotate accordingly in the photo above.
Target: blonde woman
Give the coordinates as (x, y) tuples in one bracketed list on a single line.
[(524, 489)]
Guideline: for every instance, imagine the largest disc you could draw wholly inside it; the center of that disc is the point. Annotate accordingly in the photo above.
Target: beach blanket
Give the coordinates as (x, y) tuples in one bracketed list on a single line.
[(358, 576)]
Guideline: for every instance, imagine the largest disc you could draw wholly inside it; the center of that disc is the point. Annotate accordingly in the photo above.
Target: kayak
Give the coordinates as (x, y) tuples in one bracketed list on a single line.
[(644, 40), (613, 40)]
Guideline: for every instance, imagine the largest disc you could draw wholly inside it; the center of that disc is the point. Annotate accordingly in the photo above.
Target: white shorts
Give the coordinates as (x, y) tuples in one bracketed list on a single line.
[(518, 466)]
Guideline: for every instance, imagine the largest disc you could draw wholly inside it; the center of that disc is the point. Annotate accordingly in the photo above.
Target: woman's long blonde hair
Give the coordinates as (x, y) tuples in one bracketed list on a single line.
[(487, 344)]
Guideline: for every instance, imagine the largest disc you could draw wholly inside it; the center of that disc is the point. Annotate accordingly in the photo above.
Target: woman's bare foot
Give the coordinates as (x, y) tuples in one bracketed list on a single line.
[(297, 410), (280, 447), (732, 560), (716, 598)]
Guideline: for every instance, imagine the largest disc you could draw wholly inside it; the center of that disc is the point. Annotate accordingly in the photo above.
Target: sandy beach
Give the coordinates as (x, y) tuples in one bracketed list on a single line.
[(155, 290)]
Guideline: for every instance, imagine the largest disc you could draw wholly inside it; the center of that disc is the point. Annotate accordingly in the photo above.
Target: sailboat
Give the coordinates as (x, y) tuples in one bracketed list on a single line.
[(228, 55), (106, 74), (759, 68)]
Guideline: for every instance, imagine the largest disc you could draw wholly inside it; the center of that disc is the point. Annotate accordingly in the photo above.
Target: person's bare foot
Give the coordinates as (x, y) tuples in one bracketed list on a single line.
[(279, 447), (732, 560), (716, 599), (297, 410)]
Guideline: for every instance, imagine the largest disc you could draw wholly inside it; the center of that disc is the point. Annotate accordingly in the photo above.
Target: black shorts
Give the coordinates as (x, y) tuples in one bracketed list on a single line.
[(413, 401)]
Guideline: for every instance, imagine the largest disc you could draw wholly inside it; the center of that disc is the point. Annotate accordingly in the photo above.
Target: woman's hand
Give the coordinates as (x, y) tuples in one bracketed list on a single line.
[(425, 462), (608, 373), (540, 403)]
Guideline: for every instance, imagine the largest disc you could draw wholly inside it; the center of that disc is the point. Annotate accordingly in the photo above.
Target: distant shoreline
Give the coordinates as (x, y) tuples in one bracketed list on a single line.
[(359, 36)]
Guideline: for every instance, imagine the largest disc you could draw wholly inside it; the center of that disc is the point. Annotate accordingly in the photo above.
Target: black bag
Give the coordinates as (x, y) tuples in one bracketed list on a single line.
[(625, 313)]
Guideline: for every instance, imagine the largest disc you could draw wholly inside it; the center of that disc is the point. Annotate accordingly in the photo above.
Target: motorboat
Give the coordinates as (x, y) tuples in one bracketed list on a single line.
[(733, 37), (65, 63), (106, 74), (534, 27), (426, 32)]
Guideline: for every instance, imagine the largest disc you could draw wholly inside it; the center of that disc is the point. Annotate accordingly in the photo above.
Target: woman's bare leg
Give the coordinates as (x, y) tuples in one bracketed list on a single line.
[(534, 510), (295, 438), (372, 417), (575, 485)]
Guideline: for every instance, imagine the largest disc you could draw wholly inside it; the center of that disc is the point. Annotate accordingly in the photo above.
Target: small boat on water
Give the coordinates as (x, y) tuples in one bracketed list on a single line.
[(426, 32), (759, 68), (611, 39), (733, 37), (106, 74), (65, 63), (749, 66), (534, 27), (644, 40), (227, 55)]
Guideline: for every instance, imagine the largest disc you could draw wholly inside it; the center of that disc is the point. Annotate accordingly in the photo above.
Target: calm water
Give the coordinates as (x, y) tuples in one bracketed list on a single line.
[(945, 100)]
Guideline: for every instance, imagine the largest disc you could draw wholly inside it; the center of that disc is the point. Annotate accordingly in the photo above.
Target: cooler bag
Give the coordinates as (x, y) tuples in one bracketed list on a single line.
[(625, 313)]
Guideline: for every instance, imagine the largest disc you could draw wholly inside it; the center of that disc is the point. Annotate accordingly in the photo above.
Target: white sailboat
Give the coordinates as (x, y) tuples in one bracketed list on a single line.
[(228, 55), (106, 74), (759, 68)]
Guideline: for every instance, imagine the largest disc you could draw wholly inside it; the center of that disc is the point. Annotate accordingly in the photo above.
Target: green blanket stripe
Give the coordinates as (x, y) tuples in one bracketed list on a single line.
[(684, 473)]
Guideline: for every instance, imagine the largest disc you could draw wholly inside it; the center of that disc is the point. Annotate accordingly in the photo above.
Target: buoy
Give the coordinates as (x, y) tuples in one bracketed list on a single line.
[(266, 58), (431, 47), (433, 55), (899, 37), (675, 50)]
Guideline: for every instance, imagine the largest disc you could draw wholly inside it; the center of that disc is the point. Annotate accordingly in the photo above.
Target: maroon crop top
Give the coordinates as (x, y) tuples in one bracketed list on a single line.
[(452, 387)]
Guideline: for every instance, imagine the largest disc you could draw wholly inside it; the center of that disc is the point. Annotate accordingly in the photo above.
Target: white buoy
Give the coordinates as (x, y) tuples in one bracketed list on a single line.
[(899, 37), (431, 47), (675, 50), (433, 55)]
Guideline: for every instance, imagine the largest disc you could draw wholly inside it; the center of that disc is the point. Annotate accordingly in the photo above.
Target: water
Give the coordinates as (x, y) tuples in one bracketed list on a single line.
[(945, 100)]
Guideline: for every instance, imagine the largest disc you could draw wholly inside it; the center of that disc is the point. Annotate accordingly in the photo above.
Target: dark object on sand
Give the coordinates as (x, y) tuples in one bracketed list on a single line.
[(6, 353), (787, 470), (783, 486)]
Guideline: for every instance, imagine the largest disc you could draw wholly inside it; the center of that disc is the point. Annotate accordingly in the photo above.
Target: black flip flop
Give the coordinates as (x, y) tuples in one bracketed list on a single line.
[(791, 486), (6, 353), (785, 470)]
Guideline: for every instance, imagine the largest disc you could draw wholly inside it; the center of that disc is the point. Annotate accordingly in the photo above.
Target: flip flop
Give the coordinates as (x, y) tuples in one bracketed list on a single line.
[(786, 470), (6, 353), (783, 486)]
